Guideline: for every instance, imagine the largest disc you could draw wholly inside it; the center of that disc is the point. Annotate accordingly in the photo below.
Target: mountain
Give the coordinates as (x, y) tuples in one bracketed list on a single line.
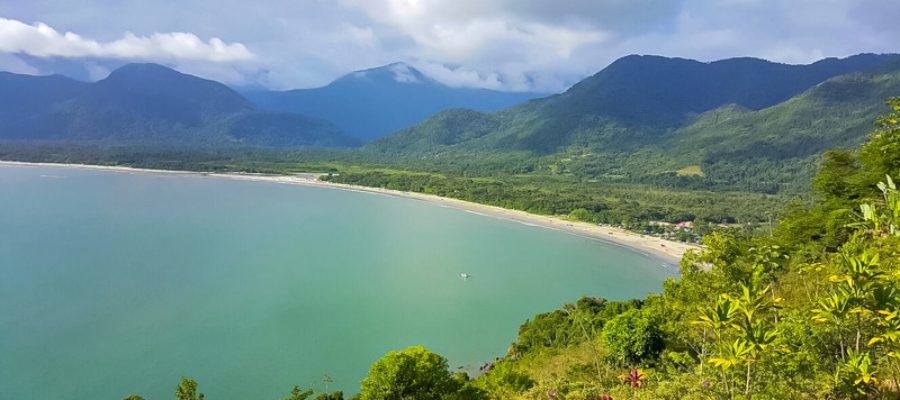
[(638, 98), (660, 91), (786, 138), (372, 103), (647, 115), (24, 97), (150, 104), (458, 126)]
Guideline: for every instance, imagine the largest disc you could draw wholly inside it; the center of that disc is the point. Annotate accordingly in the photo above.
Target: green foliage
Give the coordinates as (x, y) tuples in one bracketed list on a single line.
[(836, 174), (410, 374), (299, 394), (134, 397), (570, 325), (881, 155), (338, 395), (187, 390), (443, 129), (615, 204), (504, 380), (632, 338)]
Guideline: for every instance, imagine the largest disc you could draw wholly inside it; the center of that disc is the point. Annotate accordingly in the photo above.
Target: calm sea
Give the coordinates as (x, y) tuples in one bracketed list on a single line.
[(116, 283)]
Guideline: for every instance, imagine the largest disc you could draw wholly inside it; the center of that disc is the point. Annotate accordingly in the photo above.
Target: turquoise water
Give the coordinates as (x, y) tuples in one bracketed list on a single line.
[(117, 283)]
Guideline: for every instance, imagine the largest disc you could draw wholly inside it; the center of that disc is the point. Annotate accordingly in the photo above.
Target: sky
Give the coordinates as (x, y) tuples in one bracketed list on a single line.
[(511, 45)]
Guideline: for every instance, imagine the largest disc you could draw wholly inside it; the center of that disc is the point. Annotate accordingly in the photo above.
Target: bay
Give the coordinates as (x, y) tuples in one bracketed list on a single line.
[(116, 283)]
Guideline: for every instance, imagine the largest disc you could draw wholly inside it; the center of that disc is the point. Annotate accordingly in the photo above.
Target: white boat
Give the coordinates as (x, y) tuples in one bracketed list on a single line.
[(464, 275)]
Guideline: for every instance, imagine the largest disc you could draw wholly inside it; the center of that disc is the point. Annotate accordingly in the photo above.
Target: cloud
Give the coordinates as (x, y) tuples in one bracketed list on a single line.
[(631, 16), (402, 73), (41, 40), (465, 77), (517, 45), (467, 30), (501, 44), (547, 46)]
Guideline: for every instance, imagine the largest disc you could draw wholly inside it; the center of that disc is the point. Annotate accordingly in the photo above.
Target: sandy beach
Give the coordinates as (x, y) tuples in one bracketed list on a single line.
[(667, 251)]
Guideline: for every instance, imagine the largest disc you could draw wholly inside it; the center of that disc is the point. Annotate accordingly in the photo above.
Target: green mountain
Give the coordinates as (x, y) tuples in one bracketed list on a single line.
[(150, 104), (786, 138), (373, 103), (458, 126), (675, 122), (24, 98)]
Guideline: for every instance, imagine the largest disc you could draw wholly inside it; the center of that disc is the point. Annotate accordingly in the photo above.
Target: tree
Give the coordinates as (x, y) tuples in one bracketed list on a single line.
[(299, 394), (881, 155), (187, 390), (837, 174), (504, 381), (632, 338), (338, 395), (414, 373)]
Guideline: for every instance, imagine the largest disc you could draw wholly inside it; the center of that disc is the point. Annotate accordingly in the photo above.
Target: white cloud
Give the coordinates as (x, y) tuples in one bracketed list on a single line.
[(502, 44), (402, 73), (541, 45), (462, 30), (461, 76), (506, 45), (42, 40)]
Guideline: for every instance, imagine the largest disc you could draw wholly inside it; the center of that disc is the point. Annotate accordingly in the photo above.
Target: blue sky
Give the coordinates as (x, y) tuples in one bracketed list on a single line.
[(502, 44)]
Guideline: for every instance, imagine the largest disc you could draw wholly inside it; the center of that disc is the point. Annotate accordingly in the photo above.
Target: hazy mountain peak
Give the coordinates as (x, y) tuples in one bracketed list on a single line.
[(405, 73), (372, 103), (398, 72), (156, 77), (157, 91), (143, 70)]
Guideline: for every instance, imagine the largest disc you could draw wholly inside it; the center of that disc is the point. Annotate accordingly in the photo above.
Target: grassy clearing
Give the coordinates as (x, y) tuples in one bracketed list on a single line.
[(690, 170)]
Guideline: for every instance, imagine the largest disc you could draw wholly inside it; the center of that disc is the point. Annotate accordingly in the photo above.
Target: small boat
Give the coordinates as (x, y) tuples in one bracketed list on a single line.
[(464, 275)]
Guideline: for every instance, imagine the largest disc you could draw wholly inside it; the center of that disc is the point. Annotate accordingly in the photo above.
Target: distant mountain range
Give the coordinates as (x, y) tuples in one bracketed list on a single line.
[(375, 102), (736, 124), (646, 116), (149, 104), (633, 101)]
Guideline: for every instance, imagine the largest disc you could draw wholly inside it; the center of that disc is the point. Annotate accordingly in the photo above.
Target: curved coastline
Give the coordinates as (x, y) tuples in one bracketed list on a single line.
[(668, 252)]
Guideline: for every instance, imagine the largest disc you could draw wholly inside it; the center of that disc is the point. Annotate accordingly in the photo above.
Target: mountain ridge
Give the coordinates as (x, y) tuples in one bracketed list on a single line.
[(146, 103), (609, 127), (375, 102), (613, 104), (642, 118)]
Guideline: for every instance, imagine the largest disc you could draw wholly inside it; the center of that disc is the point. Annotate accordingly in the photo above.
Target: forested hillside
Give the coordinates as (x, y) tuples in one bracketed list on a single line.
[(148, 104), (738, 124)]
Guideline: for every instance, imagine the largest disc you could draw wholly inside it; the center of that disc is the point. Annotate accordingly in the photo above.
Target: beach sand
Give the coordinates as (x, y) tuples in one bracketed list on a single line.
[(667, 251)]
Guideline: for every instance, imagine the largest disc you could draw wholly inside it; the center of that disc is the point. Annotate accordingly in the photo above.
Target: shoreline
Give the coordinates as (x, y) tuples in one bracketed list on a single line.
[(667, 251)]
